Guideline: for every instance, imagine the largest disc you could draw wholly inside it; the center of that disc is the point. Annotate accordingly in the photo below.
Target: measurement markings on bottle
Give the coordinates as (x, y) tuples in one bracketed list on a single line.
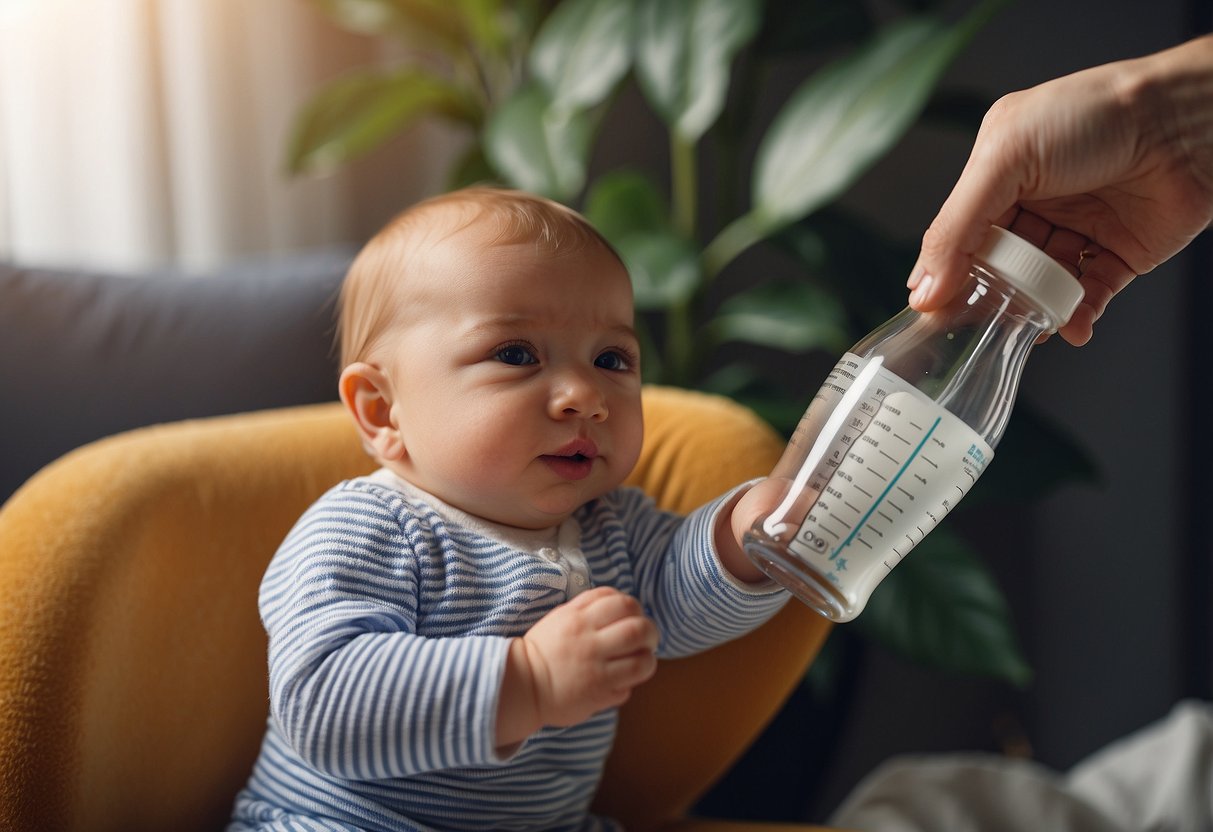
[(888, 483), (893, 477)]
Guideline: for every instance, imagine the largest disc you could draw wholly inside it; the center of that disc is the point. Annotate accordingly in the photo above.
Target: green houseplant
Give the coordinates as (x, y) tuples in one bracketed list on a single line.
[(535, 83)]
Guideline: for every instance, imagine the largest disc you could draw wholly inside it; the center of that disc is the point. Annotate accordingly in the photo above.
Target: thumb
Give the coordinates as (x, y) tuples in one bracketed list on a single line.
[(761, 499), (985, 194)]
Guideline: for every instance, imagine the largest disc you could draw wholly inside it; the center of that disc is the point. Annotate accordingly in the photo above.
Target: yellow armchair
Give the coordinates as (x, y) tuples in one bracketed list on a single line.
[(133, 690)]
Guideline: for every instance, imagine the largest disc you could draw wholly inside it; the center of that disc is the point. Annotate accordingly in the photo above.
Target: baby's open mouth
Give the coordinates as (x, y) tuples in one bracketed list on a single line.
[(574, 461), (574, 458), (579, 450)]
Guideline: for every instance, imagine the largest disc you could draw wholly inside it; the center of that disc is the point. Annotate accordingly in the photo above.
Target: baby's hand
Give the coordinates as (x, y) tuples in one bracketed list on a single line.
[(737, 519), (587, 655), (763, 498)]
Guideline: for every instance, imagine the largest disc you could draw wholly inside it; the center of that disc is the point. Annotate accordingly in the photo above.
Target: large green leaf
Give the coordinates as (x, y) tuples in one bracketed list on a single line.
[(795, 316), (849, 114), (537, 148), (368, 17), (452, 26), (582, 51), (625, 202), (664, 268), (360, 111), (683, 55), (840, 121), (426, 22), (941, 607)]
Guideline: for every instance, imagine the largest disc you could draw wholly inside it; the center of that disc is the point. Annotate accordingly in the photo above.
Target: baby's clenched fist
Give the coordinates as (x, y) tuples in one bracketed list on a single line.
[(586, 656)]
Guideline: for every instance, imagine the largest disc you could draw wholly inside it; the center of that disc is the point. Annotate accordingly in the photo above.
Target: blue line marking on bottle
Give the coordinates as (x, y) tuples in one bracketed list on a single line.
[(859, 526)]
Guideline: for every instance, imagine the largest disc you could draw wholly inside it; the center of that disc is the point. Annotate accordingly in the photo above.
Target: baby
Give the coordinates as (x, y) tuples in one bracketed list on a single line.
[(450, 637)]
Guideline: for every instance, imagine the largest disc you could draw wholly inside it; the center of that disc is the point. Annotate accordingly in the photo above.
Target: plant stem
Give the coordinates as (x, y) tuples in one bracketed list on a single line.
[(732, 240), (684, 185), (684, 189), (680, 347)]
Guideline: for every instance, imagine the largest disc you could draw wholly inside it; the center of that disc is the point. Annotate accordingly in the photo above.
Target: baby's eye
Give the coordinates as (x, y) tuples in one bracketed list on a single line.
[(613, 360), (515, 355)]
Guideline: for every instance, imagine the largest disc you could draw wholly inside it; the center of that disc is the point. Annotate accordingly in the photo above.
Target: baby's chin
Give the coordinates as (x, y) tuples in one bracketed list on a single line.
[(537, 519), (551, 510)]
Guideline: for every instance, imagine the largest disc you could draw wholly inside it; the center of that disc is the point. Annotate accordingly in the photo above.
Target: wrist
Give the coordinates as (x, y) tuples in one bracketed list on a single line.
[(731, 526), (1169, 91), (518, 712)]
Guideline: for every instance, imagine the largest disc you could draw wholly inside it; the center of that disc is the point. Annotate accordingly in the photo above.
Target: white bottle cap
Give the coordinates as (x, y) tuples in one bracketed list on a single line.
[(1030, 270)]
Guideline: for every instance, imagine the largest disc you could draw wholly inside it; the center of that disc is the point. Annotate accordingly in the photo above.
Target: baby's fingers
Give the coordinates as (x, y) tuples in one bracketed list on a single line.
[(609, 607), (628, 635), (625, 672)]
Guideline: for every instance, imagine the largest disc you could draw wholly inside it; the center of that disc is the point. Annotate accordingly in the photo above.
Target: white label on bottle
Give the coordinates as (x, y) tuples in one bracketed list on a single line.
[(885, 484)]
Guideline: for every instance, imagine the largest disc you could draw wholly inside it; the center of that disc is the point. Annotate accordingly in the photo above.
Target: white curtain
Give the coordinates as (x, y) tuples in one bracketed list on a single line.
[(140, 133)]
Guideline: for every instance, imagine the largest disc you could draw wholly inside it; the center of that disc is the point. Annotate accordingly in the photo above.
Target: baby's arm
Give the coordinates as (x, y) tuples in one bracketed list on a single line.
[(735, 519), (581, 658), (690, 572)]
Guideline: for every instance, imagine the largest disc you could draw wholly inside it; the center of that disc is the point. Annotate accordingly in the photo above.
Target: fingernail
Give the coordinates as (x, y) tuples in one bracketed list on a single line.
[(915, 276), (921, 290)]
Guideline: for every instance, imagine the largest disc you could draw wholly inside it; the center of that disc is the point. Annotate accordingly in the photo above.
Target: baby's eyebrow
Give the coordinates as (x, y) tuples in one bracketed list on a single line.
[(499, 324), (626, 331), (507, 323)]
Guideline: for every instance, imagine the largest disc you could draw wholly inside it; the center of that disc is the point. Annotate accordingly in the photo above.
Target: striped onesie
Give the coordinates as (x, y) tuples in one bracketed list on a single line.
[(389, 615)]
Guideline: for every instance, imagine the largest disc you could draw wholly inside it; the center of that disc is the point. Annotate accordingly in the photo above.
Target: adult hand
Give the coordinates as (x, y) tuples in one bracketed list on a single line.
[(1109, 170)]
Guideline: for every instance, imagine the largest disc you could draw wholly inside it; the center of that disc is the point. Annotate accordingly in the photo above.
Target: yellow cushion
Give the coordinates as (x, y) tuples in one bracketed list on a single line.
[(133, 689)]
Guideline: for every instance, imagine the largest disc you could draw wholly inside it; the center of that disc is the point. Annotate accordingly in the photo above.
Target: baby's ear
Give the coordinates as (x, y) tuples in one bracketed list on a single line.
[(367, 396)]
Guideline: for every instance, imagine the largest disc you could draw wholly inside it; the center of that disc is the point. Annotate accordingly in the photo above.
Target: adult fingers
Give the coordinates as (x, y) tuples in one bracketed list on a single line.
[(1102, 275), (1069, 248), (1101, 272), (943, 260), (984, 195)]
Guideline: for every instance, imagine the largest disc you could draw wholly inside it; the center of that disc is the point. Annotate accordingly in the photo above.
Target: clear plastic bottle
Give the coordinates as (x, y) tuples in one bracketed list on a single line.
[(902, 428)]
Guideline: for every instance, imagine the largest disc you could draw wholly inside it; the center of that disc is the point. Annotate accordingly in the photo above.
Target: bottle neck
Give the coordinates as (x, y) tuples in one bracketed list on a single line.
[(969, 355), (990, 294), (985, 388)]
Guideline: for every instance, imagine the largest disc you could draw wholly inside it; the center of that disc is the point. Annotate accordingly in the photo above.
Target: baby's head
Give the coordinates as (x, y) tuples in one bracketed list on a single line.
[(489, 355)]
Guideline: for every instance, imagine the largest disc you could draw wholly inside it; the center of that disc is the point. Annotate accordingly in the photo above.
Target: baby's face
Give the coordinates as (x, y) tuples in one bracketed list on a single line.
[(516, 381)]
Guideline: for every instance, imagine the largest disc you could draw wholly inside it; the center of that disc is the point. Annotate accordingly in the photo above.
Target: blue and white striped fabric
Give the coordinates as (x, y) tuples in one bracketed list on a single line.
[(389, 627)]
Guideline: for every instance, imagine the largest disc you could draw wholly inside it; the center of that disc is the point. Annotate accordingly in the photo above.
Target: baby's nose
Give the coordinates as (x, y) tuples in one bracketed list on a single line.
[(576, 394)]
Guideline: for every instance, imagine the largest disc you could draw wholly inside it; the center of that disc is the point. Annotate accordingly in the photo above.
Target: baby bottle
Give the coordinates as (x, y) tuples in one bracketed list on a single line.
[(902, 428)]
